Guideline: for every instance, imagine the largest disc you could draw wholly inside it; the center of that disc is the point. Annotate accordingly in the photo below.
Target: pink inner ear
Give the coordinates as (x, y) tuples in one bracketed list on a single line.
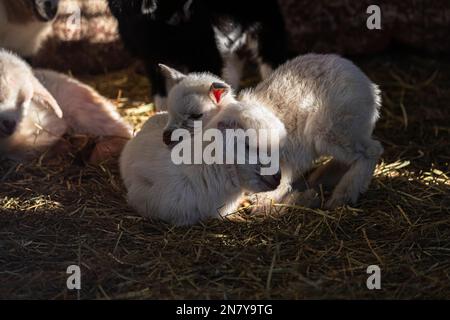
[(218, 94)]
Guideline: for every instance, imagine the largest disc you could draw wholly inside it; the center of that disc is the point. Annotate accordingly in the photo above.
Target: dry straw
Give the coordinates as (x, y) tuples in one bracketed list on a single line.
[(58, 212)]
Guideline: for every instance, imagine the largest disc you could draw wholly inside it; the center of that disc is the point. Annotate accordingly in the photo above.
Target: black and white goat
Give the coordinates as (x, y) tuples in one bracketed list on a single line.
[(201, 35)]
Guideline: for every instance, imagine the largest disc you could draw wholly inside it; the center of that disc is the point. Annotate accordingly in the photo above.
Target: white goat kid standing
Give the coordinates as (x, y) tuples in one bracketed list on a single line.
[(37, 109), (185, 194), (328, 106)]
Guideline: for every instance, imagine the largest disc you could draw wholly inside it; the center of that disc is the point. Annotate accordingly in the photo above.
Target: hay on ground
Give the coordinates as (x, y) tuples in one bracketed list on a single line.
[(58, 213)]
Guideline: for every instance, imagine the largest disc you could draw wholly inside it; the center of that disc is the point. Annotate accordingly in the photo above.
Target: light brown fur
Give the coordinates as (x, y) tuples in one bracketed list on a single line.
[(77, 109), (22, 28)]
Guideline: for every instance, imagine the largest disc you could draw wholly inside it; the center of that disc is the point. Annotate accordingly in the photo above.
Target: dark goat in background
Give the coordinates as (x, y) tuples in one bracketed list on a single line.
[(201, 35)]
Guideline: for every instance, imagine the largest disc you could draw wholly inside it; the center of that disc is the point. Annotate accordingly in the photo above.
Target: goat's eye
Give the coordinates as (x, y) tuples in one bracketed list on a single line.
[(196, 116)]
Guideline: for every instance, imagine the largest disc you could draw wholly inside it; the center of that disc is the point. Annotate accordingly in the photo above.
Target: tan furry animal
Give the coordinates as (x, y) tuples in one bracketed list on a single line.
[(38, 108), (185, 194), (328, 106), (25, 24)]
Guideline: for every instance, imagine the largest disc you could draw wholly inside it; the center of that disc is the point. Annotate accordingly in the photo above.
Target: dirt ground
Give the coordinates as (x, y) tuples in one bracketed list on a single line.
[(60, 212)]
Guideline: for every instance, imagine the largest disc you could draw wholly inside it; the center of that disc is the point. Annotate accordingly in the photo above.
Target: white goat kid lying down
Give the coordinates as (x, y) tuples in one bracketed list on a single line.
[(37, 109), (185, 194), (328, 106)]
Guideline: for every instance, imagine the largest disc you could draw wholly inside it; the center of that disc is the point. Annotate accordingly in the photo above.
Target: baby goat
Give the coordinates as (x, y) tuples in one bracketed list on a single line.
[(184, 194), (25, 24), (196, 35), (328, 106), (37, 109)]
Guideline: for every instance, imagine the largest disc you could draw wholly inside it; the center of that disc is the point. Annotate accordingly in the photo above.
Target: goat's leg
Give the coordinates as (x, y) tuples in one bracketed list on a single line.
[(327, 176), (324, 177), (262, 201), (107, 148), (357, 179)]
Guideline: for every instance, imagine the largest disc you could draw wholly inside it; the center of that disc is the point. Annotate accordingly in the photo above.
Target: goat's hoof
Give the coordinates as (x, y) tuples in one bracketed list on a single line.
[(106, 149), (259, 204), (339, 199), (335, 202)]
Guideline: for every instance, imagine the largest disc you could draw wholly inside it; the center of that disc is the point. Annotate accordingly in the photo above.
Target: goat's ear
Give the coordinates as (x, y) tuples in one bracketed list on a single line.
[(218, 91), (171, 74), (43, 97)]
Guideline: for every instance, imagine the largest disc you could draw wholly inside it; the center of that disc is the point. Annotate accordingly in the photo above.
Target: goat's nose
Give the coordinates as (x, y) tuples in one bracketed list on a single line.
[(167, 137), (8, 127)]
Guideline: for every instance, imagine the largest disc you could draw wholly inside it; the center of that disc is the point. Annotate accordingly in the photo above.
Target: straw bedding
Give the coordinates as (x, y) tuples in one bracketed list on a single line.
[(59, 212)]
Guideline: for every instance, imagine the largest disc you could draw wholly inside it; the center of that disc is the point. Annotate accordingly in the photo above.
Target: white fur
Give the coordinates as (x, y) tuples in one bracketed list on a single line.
[(84, 111), (329, 108), (186, 194), (190, 95), (24, 38)]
